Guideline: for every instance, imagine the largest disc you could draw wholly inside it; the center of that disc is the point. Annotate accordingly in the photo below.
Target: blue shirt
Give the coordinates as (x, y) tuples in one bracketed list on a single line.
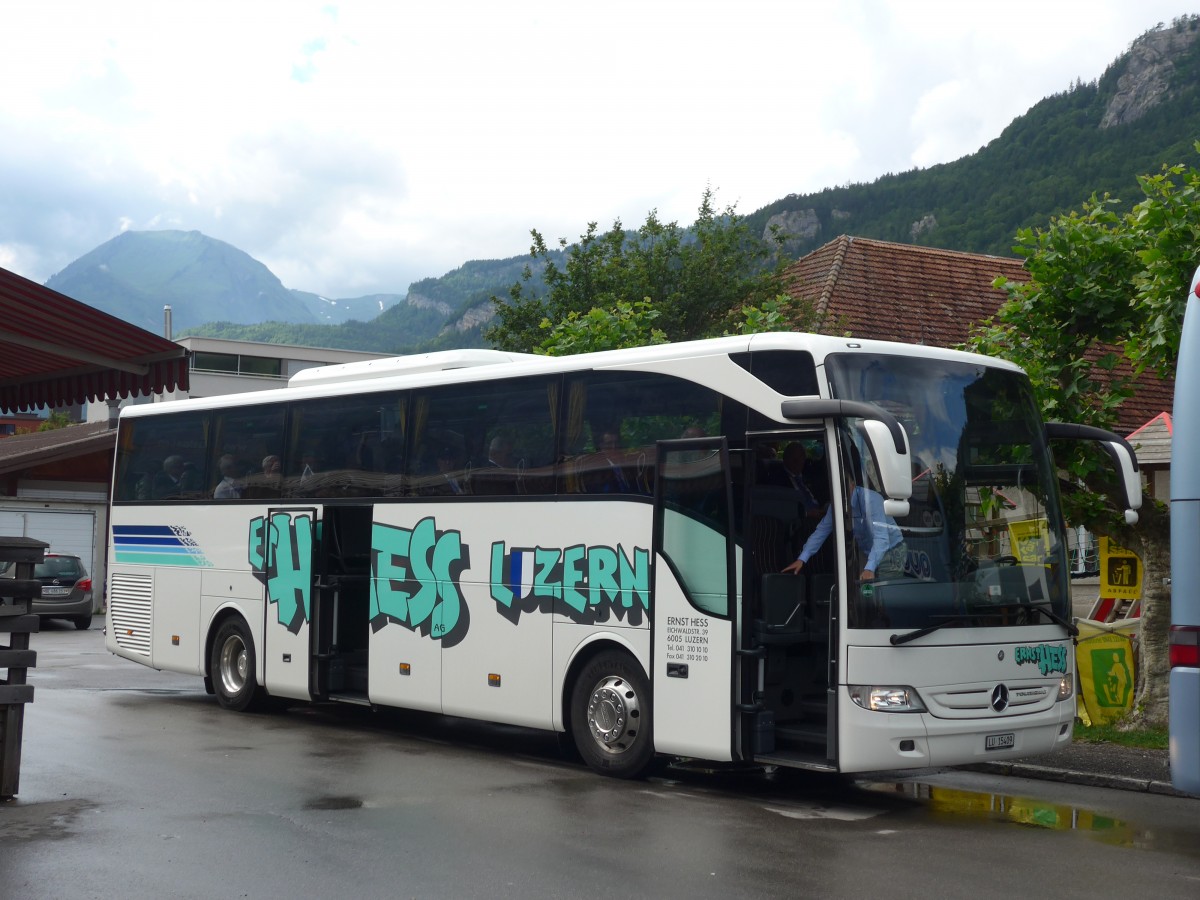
[(875, 531)]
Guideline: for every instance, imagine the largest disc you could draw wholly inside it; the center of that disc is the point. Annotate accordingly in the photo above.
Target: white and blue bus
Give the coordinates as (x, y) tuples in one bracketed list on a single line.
[(595, 545)]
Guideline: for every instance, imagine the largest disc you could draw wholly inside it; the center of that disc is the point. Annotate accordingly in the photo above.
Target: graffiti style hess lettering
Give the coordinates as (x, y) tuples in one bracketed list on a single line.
[(1047, 657), (279, 550), (414, 581), (580, 580)]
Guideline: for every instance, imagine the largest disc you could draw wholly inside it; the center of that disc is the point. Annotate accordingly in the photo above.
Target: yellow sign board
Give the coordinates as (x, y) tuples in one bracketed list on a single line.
[(1106, 669), (1030, 540), (1120, 571)]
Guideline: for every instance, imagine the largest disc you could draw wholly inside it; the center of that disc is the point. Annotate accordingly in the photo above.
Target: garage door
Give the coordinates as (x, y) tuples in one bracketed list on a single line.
[(70, 531)]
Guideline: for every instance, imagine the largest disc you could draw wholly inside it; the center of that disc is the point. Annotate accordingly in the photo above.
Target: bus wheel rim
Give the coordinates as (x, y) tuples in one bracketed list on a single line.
[(233, 665), (613, 714)]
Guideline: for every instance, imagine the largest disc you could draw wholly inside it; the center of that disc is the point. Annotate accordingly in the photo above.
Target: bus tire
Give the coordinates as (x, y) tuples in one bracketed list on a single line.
[(232, 666), (610, 716)]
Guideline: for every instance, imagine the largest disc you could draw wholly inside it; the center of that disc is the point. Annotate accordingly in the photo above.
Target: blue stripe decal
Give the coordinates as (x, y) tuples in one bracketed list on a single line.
[(166, 530), (154, 559), (144, 541), (157, 545)]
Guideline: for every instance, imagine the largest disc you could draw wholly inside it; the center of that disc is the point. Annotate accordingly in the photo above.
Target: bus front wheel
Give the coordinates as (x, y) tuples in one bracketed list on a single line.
[(232, 666), (610, 716)]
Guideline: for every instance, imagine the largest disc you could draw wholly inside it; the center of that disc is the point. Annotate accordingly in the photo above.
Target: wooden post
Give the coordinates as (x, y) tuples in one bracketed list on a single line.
[(17, 622)]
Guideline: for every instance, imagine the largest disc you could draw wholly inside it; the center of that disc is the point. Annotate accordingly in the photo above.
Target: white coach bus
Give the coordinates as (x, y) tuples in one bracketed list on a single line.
[(596, 544)]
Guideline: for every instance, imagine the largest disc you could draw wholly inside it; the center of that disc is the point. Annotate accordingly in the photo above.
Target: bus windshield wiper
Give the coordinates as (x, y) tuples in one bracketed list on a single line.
[(898, 639)]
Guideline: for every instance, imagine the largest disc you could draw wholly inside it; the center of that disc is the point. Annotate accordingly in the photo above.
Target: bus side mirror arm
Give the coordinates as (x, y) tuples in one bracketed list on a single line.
[(1118, 449), (818, 408)]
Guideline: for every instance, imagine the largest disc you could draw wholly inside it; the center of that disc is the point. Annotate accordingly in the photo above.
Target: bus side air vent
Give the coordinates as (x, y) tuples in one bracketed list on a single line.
[(129, 603)]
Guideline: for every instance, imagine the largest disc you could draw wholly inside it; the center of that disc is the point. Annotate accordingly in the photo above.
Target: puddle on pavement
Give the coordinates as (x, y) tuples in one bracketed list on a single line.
[(960, 804)]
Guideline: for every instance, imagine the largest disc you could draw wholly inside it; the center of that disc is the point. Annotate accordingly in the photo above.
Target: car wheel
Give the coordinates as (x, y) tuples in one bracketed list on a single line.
[(610, 716), (82, 623), (232, 666)]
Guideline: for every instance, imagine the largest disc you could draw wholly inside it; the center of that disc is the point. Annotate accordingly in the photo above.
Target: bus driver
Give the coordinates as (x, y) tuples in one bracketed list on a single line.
[(877, 534)]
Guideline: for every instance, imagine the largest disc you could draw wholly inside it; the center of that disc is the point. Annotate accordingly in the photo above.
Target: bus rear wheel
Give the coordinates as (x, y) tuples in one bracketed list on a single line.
[(610, 716), (232, 666)]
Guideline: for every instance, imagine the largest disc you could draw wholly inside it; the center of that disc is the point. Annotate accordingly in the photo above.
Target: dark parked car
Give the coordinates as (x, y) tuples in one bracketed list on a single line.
[(66, 589)]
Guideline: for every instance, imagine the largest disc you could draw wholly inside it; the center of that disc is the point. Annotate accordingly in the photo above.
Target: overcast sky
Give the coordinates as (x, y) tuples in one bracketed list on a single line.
[(355, 147)]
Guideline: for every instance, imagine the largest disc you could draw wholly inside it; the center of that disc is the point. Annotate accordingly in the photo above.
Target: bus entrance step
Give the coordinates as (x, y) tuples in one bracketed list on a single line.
[(353, 698)]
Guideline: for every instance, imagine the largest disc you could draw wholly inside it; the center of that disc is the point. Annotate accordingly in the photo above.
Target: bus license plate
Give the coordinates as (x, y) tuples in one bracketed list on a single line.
[(1000, 741)]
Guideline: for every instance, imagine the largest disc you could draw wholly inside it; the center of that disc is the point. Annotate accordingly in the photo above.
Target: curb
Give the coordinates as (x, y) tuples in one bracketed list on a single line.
[(1088, 779)]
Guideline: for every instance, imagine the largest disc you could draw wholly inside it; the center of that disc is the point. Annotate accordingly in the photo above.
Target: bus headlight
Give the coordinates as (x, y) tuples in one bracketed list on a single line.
[(886, 699), (1066, 687)]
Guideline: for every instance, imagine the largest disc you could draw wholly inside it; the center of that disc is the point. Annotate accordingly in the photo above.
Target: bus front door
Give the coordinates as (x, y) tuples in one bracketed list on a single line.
[(695, 606), (286, 540)]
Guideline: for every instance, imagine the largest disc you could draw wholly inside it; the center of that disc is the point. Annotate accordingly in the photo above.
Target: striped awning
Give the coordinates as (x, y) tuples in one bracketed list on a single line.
[(55, 351)]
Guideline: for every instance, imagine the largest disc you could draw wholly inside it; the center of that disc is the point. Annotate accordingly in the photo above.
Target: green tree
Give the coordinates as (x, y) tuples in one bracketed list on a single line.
[(1103, 305), (691, 278), (627, 325)]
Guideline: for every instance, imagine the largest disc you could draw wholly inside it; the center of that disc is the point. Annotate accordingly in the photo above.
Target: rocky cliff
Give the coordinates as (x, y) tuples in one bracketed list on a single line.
[(1150, 63)]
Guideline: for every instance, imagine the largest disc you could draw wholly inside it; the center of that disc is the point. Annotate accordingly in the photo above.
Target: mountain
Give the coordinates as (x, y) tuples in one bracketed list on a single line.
[(335, 312), (202, 279)]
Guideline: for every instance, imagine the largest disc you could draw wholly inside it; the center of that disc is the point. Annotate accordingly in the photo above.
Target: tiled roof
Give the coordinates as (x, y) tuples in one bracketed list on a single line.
[(923, 295), (39, 447)]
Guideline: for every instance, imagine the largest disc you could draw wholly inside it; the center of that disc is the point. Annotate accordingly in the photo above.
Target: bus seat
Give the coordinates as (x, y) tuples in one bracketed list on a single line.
[(1013, 586), (785, 617)]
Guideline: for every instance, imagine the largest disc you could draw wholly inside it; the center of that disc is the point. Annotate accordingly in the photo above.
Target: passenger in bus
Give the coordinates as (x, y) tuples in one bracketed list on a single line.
[(169, 482), (449, 466), (791, 510), (607, 475), (878, 536), (191, 480), (793, 474), (500, 452), (228, 488)]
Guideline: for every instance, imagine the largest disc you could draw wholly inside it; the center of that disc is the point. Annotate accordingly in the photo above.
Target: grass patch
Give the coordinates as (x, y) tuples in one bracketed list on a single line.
[(1142, 738)]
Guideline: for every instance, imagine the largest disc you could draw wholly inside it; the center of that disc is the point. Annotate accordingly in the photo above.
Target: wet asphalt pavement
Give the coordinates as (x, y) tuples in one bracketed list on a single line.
[(135, 784)]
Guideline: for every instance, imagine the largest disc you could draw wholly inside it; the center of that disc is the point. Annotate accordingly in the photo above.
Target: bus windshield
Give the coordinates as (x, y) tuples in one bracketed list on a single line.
[(984, 538)]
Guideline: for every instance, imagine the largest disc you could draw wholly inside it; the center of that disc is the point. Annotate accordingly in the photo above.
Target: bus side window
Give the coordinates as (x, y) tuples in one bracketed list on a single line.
[(493, 438), (346, 447), (163, 458), (614, 421)]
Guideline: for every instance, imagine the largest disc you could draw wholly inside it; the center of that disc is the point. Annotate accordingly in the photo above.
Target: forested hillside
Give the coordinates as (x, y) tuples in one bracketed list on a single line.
[(1096, 137)]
